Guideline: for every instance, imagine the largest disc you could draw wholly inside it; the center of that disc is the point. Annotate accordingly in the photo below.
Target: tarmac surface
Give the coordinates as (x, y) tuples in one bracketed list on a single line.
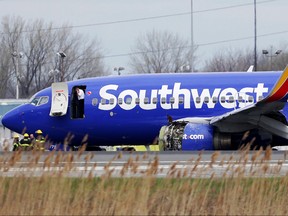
[(204, 164)]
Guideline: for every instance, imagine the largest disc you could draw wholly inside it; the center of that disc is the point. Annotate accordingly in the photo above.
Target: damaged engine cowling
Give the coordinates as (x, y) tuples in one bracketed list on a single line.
[(181, 136)]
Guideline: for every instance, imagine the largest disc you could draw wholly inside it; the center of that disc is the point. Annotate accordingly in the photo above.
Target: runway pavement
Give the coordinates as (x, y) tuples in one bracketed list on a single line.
[(204, 164)]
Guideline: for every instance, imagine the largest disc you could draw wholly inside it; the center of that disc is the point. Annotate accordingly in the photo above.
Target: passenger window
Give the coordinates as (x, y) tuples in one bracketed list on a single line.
[(231, 99), (241, 99), (94, 101), (214, 99), (154, 100), (206, 100), (120, 101), (111, 101), (163, 100), (146, 100), (198, 99), (223, 99), (172, 100), (128, 100), (260, 98), (137, 101), (103, 101), (250, 99), (181, 100)]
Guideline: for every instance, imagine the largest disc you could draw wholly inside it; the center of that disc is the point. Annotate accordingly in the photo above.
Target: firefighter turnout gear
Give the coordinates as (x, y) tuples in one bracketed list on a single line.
[(38, 132), (16, 142), (25, 143), (39, 143)]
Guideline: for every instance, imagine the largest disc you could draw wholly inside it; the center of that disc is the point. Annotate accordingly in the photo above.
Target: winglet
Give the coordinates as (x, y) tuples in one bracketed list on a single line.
[(280, 89), (251, 68)]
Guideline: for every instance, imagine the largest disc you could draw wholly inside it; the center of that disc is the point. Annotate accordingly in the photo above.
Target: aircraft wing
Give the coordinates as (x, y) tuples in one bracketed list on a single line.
[(263, 114)]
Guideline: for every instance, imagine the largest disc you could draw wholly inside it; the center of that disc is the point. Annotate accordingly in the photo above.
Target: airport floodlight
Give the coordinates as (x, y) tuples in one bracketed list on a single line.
[(51, 73), (118, 69), (54, 74), (278, 52), (17, 55), (20, 54), (61, 54), (14, 54), (185, 68), (271, 55)]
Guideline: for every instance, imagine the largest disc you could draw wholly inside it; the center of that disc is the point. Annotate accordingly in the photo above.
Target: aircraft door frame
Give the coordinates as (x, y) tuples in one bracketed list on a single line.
[(77, 106)]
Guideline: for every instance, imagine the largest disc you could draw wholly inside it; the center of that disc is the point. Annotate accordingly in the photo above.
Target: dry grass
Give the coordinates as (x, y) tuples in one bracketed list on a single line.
[(178, 194)]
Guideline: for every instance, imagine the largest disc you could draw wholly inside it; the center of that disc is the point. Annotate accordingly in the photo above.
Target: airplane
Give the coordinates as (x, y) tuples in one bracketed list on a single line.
[(178, 111)]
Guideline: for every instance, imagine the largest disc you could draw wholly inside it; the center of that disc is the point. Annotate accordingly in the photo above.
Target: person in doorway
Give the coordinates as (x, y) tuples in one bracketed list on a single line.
[(74, 104), (80, 102)]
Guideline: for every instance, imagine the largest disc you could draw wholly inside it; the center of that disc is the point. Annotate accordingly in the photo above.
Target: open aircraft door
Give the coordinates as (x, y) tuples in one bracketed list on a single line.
[(59, 103)]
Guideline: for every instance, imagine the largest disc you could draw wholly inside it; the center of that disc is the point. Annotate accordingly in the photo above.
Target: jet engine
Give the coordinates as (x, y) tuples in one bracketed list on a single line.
[(181, 136)]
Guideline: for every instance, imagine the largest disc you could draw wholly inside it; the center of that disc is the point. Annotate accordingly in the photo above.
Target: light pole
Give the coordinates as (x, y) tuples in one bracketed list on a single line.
[(62, 55), (266, 53), (192, 39), (16, 57), (118, 69), (255, 36), (185, 68)]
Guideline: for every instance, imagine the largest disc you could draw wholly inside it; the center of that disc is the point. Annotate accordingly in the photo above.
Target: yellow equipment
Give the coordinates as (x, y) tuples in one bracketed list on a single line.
[(38, 132), (133, 148)]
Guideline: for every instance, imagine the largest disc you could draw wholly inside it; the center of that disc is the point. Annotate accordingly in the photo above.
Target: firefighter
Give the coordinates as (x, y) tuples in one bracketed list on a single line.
[(39, 143), (16, 142), (25, 143), (32, 137)]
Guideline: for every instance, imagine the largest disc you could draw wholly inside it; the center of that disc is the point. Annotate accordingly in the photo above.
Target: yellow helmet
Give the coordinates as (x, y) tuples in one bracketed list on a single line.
[(16, 136), (26, 135), (38, 132)]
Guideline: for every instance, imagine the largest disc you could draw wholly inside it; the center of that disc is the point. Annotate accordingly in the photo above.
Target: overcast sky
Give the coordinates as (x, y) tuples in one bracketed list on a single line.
[(214, 21)]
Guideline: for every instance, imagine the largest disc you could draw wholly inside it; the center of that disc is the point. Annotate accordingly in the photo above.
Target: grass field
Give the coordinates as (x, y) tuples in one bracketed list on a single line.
[(147, 195)]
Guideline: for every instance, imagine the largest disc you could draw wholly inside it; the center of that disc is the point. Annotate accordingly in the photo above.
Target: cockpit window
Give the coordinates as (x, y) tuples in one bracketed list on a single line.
[(43, 100), (37, 101), (34, 100)]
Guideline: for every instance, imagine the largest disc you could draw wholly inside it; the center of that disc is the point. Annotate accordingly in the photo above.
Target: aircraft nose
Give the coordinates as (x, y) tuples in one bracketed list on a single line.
[(12, 120)]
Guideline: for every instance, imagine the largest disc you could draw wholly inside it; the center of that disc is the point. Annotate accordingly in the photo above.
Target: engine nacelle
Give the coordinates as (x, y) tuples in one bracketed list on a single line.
[(192, 137), (197, 137)]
